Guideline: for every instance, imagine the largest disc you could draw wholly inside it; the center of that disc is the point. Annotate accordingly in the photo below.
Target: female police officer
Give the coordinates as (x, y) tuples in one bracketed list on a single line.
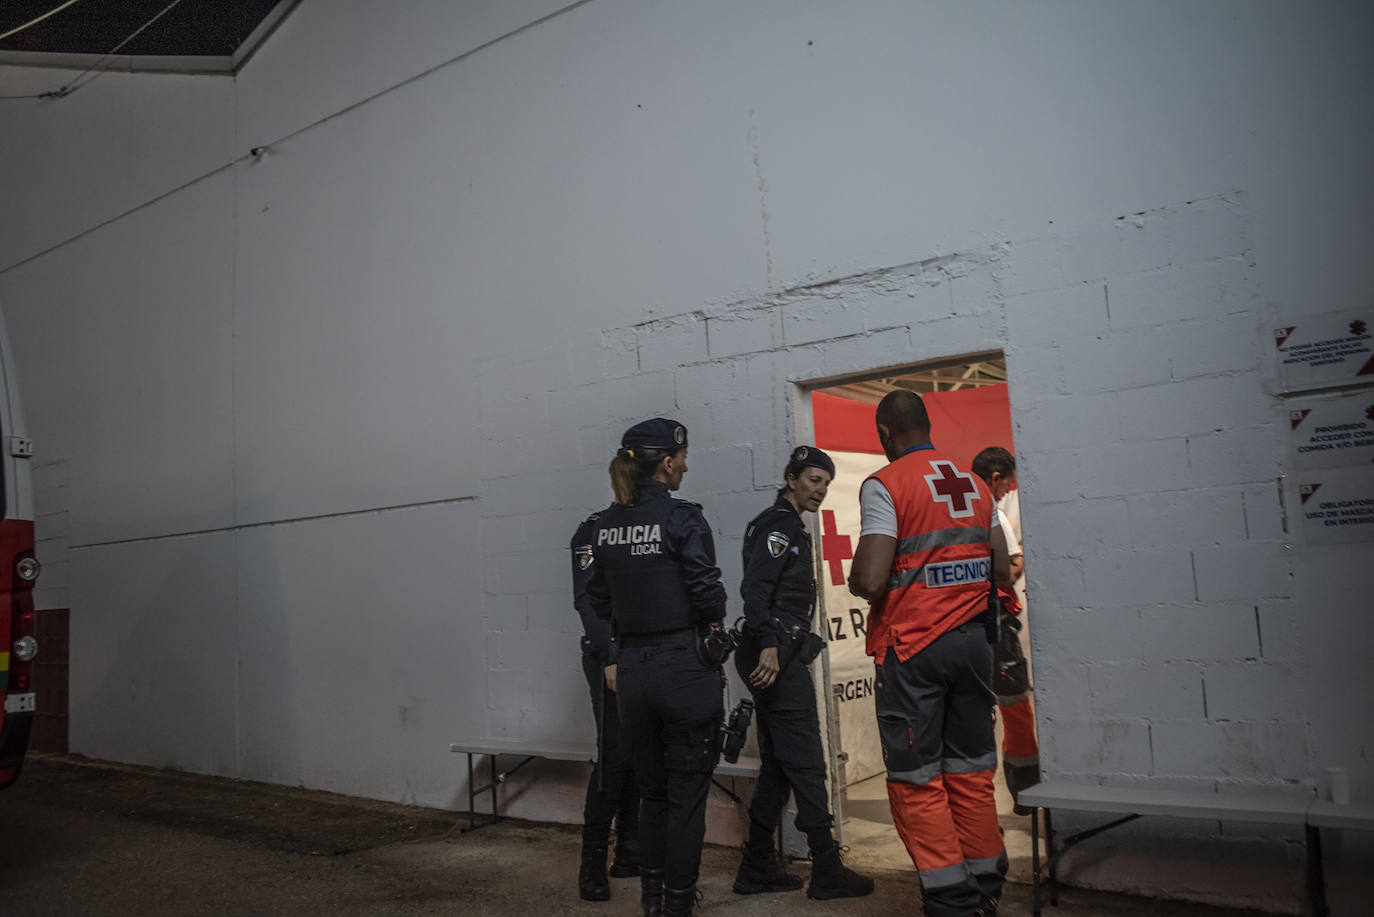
[(654, 576), (779, 591)]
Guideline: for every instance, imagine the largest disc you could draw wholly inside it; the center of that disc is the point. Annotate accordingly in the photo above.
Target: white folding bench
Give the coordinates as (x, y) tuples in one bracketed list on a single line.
[(1132, 802), (575, 751)]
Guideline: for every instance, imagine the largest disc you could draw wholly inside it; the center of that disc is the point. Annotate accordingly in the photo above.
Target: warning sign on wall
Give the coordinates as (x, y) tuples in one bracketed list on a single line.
[(1318, 351), (1336, 505), (1335, 431)]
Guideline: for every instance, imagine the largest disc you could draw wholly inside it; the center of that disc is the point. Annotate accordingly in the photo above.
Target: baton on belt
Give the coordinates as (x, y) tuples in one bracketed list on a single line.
[(601, 734)]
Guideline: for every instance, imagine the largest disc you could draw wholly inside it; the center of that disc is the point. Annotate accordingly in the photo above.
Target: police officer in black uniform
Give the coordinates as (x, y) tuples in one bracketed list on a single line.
[(779, 591), (654, 576), (612, 790)]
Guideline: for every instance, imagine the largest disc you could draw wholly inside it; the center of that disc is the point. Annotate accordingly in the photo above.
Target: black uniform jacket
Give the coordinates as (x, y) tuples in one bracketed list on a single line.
[(779, 575), (596, 631), (653, 566)]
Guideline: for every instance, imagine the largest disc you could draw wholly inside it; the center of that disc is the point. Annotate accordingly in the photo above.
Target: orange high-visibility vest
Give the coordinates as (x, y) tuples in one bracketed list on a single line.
[(939, 576)]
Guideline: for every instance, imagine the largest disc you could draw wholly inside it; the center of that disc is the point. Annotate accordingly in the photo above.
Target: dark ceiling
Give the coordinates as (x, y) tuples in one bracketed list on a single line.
[(185, 28)]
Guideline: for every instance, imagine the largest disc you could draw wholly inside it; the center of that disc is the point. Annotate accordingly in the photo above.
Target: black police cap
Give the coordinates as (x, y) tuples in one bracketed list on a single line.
[(660, 433), (811, 457)]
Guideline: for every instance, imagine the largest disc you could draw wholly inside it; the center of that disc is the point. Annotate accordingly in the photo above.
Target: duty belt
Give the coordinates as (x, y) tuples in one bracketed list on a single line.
[(684, 636)]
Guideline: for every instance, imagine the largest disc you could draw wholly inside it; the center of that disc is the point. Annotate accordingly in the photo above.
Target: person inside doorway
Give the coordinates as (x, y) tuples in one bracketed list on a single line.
[(1011, 672)]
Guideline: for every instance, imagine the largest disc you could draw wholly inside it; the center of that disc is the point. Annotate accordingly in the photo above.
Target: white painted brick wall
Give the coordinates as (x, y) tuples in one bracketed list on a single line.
[(1230, 751), (905, 297), (1246, 570), (1123, 246), (744, 332), (1047, 475), (1210, 516), (1061, 692), (1058, 577), (1198, 632), (1281, 631), (1178, 293), (1074, 421), (1145, 690), (1076, 525), (1194, 407), (1039, 369), (1088, 747), (1144, 575), (670, 343), (1075, 635), (1240, 454), (1243, 690), (1031, 267), (1206, 229), (1117, 361), (1263, 512), (1065, 317), (1122, 469), (883, 348), (1211, 345), (821, 316), (502, 612)]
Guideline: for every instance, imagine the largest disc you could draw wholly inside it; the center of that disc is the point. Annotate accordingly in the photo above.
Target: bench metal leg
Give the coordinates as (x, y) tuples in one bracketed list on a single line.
[(1051, 860), (1316, 880), (1053, 856), (489, 787)]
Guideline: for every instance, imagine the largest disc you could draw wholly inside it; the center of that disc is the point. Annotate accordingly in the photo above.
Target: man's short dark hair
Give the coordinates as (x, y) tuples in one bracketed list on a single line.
[(902, 411), (994, 459)]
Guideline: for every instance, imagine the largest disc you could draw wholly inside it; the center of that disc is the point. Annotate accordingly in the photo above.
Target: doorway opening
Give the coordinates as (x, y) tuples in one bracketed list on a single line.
[(967, 398)]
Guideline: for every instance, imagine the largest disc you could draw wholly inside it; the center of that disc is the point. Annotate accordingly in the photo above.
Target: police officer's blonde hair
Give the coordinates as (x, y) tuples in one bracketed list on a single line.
[(630, 468)]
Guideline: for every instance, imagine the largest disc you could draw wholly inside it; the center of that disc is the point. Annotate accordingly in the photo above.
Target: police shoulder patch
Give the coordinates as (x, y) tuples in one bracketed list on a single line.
[(584, 556), (777, 543)]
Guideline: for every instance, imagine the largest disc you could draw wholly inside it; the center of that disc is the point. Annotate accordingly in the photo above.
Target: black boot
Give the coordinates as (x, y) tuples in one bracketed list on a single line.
[(1020, 777), (591, 877), (651, 891), (760, 871), (626, 857), (830, 878), (678, 902)]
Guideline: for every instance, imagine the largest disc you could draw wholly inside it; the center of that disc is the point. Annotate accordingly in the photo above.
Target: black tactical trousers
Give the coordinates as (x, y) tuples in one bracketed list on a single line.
[(671, 706), (793, 761), (618, 796)]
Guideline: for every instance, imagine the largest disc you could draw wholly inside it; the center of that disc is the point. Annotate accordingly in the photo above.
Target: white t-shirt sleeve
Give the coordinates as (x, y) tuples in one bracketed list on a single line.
[(877, 512), (1013, 546)]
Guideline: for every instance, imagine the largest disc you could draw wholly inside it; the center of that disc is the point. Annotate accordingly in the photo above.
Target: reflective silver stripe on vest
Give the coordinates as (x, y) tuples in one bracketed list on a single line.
[(920, 776), (945, 876), (905, 577), (940, 538), (985, 762)]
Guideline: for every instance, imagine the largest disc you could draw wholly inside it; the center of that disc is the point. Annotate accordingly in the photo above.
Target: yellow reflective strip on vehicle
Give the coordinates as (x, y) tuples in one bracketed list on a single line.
[(4, 662)]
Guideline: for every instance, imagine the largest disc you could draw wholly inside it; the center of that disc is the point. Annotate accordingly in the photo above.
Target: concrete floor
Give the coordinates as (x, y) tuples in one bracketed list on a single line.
[(79, 837)]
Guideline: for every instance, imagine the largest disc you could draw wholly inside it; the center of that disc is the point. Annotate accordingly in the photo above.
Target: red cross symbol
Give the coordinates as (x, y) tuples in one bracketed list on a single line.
[(834, 546), (952, 487)]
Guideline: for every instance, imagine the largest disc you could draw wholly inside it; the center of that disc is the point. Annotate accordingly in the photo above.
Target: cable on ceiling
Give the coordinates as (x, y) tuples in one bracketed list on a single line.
[(80, 79), (32, 22)]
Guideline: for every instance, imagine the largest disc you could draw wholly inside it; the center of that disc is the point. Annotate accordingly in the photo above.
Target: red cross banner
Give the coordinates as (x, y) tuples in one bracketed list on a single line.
[(962, 424)]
